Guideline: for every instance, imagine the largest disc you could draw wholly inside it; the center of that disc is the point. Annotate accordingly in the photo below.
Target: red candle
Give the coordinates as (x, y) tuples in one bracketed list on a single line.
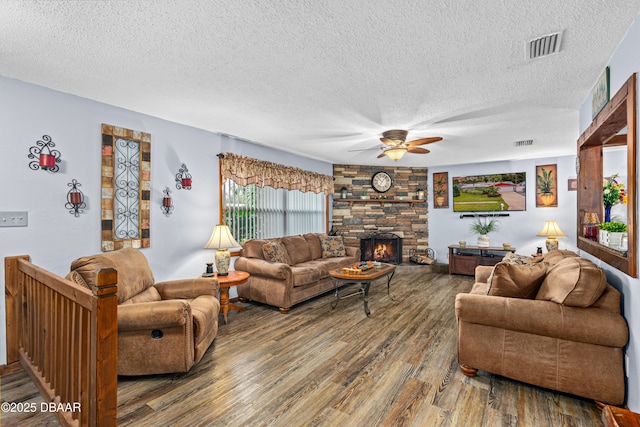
[(166, 202), (47, 161), (76, 198), (186, 182)]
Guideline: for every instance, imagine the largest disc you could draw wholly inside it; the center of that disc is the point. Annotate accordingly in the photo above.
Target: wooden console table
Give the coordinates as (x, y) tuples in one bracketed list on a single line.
[(464, 260)]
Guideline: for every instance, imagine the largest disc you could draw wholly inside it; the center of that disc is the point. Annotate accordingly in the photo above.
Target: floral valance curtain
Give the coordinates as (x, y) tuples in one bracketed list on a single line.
[(245, 170)]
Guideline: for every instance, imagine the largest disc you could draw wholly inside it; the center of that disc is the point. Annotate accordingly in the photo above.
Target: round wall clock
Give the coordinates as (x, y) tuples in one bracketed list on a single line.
[(381, 181)]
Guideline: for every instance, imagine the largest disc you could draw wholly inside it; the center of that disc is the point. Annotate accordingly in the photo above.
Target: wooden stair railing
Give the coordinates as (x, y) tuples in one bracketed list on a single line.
[(65, 336)]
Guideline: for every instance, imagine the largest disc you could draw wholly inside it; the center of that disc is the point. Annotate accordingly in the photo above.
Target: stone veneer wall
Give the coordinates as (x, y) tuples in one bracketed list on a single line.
[(359, 218)]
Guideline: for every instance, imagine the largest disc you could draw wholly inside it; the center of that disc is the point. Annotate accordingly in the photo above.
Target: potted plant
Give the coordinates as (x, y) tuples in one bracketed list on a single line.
[(363, 194), (482, 229), (611, 233), (545, 187)]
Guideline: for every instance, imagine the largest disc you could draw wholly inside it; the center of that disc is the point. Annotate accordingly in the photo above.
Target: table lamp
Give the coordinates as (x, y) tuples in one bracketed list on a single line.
[(221, 239), (552, 232)]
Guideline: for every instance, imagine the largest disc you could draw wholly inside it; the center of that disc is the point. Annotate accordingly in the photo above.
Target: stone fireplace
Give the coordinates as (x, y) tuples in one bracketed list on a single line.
[(383, 247), (397, 211)]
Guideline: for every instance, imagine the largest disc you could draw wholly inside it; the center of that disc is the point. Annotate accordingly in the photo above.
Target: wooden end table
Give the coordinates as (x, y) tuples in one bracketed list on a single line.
[(234, 278)]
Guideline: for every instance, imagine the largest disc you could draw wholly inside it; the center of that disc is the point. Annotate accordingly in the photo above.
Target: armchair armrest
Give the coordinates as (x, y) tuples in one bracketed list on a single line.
[(545, 318), (188, 288), (153, 315), (261, 267)]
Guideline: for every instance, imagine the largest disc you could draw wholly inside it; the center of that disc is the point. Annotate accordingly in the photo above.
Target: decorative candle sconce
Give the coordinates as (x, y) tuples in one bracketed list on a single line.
[(167, 202), (75, 199), (47, 158), (183, 178)]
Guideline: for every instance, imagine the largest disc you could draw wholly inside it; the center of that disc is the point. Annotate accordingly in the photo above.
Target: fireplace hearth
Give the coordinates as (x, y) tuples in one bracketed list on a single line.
[(382, 247)]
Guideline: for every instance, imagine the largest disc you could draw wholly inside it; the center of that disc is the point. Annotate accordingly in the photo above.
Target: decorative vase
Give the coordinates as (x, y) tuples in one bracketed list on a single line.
[(607, 213), (483, 241)]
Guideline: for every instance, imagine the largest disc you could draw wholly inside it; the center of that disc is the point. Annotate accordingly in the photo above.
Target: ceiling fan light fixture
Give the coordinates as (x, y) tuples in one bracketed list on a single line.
[(396, 153)]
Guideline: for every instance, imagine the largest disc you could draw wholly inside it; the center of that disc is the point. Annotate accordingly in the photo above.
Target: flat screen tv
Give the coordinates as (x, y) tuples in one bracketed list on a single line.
[(487, 193)]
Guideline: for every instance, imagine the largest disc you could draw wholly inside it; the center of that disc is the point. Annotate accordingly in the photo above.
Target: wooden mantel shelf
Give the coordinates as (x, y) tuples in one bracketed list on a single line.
[(381, 201)]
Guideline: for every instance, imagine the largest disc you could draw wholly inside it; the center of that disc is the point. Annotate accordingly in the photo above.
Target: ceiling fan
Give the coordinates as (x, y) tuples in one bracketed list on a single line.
[(397, 146)]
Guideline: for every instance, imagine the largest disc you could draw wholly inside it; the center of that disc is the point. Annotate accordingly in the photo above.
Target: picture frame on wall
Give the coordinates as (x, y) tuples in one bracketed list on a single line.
[(547, 186), (441, 190), (600, 93), (572, 184)]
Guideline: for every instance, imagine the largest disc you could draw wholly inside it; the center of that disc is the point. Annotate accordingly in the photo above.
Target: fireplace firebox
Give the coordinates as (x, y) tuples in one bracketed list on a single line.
[(383, 247)]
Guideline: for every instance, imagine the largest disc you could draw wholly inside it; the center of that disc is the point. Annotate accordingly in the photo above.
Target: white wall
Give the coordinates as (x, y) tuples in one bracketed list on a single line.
[(624, 62), (520, 227), (54, 237)]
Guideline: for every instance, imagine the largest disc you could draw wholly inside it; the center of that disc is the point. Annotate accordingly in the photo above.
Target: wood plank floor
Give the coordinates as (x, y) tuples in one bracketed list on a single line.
[(318, 367)]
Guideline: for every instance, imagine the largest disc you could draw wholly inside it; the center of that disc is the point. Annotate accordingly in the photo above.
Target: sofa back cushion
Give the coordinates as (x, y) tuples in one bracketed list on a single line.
[(554, 257), (297, 248), (275, 251), (315, 247), (332, 246), (253, 248), (134, 274), (516, 281), (573, 281)]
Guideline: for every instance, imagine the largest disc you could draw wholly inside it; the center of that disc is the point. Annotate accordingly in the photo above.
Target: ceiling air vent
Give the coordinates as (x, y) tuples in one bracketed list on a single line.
[(543, 46), (524, 143)]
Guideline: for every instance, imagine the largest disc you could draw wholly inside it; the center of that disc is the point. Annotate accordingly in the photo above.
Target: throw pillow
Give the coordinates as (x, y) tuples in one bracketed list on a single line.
[(518, 259), (573, 281), (332, 246), (516, 281), (275, 252)]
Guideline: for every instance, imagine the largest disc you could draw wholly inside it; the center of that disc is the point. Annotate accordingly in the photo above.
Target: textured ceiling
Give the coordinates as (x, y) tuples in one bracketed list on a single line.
[(321, 78)]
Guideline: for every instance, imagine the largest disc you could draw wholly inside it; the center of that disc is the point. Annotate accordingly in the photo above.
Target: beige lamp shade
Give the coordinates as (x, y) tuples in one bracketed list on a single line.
[(552, 231), (395, 153), (222, 239)]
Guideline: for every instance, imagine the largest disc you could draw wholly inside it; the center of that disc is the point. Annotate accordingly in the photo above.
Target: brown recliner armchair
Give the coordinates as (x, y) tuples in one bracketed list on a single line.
[(162, 327)]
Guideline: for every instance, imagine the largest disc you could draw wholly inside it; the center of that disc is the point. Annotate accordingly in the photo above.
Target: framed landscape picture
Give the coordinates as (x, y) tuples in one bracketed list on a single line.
[(547, 186)]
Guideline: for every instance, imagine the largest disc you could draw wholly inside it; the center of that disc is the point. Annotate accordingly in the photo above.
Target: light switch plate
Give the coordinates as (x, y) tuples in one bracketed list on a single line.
[(13, 218)]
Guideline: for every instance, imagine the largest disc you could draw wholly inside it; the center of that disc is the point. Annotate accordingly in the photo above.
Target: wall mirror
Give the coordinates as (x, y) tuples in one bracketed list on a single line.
[(126, 188), (612, 134)]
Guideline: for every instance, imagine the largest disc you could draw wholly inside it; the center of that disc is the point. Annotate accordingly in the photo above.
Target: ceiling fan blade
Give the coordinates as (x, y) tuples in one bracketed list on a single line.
[(384, 153), (390, 142), (423, 141), (417, 150), (367, 149)]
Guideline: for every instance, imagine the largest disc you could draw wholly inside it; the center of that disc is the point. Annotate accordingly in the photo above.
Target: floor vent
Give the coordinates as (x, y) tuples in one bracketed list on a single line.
[(524, 143), (543, 46)]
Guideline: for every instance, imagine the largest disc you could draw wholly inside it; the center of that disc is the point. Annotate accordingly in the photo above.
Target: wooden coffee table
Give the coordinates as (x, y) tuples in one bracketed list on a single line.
[(234, 278), (364, 278)]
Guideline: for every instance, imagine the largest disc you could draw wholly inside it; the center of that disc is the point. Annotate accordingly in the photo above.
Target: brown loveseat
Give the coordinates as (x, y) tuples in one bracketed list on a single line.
[(288, 270), (162, 327), (556, 324)]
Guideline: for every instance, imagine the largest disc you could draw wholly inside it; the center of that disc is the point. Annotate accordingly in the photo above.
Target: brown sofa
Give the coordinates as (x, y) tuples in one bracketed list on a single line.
[(300, 273), (162, 327), (556, 325)]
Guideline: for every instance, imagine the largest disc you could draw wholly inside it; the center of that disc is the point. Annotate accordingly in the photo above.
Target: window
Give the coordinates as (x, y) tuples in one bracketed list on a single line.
[(254, 213)]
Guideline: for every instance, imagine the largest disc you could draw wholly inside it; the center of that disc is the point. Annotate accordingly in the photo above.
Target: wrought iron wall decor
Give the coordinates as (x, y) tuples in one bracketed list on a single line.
[(183, 178), (167, 202), (47, 157), (126, 188), (75, 199)]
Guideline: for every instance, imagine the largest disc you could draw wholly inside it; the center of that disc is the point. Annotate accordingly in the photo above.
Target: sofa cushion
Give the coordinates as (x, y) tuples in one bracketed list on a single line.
[(332, 246), (305, 274), (275, 252), (315, 247), (556, 256), (516, 281), (253, 248), (573, 281), (297, 248)]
